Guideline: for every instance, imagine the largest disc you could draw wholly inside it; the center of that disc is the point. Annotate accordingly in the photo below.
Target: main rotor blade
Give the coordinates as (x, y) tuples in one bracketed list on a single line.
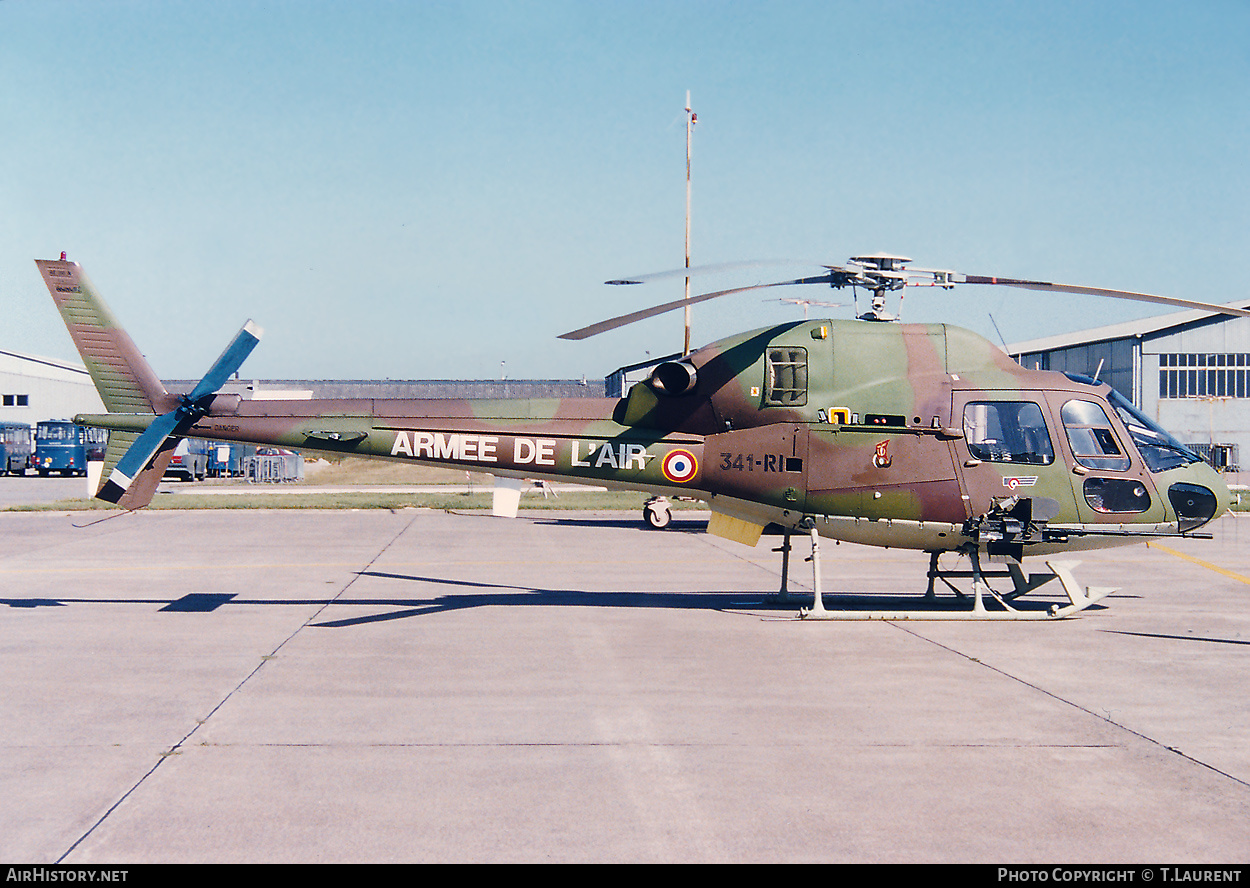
[(696, 270), (231, 359), (642, 315), (857, 275), (1047, 286)]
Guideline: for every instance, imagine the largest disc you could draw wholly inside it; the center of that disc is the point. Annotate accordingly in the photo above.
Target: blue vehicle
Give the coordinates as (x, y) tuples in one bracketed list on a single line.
[(225, 460), (15, 448), (65, 448)]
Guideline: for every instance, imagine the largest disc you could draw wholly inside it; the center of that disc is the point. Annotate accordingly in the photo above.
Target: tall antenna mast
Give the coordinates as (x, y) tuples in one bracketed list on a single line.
[(691, 118)]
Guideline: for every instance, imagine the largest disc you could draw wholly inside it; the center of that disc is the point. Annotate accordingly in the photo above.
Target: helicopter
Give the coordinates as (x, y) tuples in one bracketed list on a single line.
[(916, 436)]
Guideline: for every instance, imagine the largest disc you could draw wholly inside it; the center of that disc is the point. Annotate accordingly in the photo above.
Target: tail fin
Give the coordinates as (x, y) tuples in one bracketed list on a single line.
[(125, 381), (134, 461)]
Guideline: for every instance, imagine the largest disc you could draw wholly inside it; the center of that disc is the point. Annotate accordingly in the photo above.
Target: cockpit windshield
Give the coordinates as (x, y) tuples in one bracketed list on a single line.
[(1158, 449)]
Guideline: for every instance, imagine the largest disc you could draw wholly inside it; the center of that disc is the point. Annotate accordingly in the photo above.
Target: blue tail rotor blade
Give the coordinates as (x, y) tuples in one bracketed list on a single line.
[(231, 359), (140, 452), (148, 444)]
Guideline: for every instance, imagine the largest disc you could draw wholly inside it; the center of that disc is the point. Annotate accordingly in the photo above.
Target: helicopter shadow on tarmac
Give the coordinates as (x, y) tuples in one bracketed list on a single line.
[(473, 594), (761, 605)]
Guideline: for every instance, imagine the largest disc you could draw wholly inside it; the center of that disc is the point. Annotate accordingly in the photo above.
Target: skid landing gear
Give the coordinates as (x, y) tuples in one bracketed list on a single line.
[(1079, 598)]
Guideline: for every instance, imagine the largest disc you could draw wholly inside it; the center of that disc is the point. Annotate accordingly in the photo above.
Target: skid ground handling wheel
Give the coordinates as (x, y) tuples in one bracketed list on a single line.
[(657, 513)]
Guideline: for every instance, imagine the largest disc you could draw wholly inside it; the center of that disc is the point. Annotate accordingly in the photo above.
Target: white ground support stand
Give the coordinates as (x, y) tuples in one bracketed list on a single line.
[(1080, 599)]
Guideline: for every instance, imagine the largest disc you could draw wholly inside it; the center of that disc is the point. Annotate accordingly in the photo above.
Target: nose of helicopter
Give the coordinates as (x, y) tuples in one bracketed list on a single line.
[(1199, 496)]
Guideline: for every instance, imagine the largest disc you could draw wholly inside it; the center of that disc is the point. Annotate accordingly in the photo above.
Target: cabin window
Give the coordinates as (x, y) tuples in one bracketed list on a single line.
[(1116, 495), (1094, 444), (787, 377), (1008, 431)]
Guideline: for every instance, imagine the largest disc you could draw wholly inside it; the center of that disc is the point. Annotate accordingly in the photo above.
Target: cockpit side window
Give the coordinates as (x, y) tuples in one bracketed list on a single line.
[(1007, 431), (1094, 443), (1158, 449), (786, 377)]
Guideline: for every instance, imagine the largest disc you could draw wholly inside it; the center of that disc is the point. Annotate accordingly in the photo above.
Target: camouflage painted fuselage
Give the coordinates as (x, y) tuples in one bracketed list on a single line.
[(917, 436), (864, 427)]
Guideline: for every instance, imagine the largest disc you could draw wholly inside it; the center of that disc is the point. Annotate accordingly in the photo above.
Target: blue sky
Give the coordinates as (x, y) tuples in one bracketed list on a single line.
[(426, 190)]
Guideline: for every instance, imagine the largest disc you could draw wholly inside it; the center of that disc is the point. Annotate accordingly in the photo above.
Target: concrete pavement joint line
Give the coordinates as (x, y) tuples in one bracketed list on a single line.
[(199, 723), (1198, 561), (708, 541), (1076, 706)]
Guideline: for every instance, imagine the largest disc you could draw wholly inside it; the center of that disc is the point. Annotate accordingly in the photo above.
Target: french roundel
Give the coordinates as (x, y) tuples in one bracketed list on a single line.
[(680, 466)]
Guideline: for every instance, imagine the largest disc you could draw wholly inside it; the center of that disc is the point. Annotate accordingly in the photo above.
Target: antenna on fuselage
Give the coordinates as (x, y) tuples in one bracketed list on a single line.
[(998, 331)]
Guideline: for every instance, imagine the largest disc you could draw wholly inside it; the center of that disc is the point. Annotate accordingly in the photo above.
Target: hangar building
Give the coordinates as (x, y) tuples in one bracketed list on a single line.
[(1187, 370), (33, 389)]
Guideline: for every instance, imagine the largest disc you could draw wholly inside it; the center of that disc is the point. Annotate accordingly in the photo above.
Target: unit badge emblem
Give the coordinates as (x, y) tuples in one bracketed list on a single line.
[(882, 459)]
